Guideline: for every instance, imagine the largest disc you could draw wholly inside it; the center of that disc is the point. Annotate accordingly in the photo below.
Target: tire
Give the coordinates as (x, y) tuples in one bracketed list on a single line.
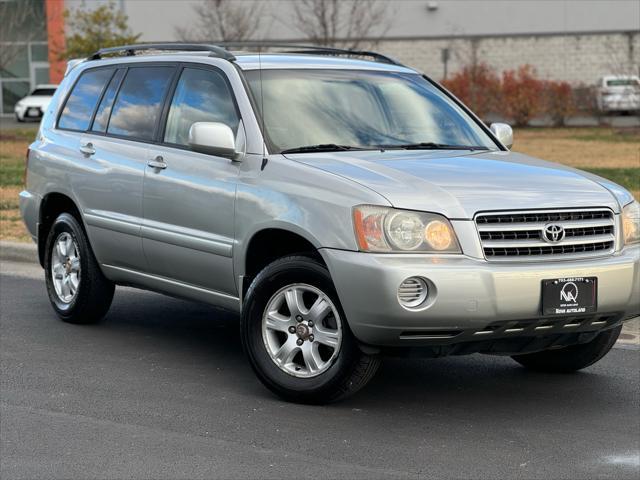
[(572, 358), (313, 372), (79, 292)]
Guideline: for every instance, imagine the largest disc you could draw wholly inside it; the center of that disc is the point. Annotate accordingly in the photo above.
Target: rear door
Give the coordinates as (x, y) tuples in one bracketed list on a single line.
[(108, 189), (188, 196), (117, 144)]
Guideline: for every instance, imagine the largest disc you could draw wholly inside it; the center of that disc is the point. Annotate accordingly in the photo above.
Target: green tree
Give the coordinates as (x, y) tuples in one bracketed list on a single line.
[(90, 29)]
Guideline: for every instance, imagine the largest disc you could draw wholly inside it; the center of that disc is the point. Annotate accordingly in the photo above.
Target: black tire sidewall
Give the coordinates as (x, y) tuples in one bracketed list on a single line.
[(274, 277), (67, 223)]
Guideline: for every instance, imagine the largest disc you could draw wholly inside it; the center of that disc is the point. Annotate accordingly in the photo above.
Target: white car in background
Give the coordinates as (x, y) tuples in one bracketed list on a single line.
[(619, 93), (33, 106)]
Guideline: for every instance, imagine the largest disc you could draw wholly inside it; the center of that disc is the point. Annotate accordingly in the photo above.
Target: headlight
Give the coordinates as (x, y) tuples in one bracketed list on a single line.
[(383, 229), (631, 223)]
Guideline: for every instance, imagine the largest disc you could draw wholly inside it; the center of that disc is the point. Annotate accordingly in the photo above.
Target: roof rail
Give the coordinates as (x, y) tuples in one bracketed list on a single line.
[(313, 50), (129, 50)]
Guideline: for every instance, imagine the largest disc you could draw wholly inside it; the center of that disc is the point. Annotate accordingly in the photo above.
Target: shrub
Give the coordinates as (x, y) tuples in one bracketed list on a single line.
[(521, 94), (559, 102), (477, 86), (585, 99)]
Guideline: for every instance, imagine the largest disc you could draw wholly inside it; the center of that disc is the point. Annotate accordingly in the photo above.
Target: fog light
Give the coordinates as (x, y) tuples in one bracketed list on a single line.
[(412, 292)]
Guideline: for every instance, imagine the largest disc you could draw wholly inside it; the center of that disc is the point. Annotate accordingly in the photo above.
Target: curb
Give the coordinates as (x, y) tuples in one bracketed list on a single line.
[(18, 252)]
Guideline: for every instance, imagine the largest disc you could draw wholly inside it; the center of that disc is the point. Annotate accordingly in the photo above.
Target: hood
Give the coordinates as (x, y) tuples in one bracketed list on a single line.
[(35, 101), (459, 185)]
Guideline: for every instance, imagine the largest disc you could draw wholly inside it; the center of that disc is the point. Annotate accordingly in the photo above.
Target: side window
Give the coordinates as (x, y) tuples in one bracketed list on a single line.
[(200, 96), (104, 110), (83, 99), (139, 102)]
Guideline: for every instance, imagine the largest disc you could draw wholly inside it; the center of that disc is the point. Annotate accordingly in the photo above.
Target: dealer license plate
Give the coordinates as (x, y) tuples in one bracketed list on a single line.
[(569, 296)]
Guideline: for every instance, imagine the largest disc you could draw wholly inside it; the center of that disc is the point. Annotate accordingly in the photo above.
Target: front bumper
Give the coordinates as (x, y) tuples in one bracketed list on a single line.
[(472, 295), (25, 112)]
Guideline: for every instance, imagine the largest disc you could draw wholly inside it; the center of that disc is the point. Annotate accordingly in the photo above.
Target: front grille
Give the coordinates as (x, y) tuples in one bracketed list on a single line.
[(546, 234)]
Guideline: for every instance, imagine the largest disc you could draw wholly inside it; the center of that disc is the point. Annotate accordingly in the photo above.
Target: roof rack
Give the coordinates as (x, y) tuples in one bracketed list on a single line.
[(221, 50), (129, 50), (313, 50)]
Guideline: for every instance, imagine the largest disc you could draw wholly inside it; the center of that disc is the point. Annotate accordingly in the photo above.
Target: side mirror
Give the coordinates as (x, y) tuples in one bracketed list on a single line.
[(213, 138), (504, 133)]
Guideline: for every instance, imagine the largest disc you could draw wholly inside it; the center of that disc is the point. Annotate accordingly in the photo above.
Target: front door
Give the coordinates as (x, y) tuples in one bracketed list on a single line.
[(189, 197)]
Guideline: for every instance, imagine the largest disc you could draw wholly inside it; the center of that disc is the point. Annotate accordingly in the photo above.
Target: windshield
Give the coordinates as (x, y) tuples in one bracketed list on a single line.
[(44, 92), (359, 109)]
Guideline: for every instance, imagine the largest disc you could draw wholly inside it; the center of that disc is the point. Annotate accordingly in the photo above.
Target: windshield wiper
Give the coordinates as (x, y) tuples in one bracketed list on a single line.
[(322, 147), (434, 146)]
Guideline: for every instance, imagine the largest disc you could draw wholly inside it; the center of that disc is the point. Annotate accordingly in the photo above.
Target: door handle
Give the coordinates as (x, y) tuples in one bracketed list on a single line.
[(87, 149), (158, 163)]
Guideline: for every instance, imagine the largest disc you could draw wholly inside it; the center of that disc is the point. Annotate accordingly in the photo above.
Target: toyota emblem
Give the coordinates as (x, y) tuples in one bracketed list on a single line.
[(553, 233)]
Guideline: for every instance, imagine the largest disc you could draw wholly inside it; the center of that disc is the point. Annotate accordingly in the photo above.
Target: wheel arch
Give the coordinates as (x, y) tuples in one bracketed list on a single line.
[(52, 205), (268, 244)]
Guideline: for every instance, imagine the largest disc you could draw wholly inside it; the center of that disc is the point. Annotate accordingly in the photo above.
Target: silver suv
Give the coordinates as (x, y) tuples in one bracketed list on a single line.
[(344, 205)]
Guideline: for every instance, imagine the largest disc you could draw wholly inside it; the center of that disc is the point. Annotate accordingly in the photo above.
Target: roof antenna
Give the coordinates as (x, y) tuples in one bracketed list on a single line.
[(265, 160)]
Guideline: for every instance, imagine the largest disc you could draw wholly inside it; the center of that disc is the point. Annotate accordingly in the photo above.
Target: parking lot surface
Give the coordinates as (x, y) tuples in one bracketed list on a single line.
[(161, 389)]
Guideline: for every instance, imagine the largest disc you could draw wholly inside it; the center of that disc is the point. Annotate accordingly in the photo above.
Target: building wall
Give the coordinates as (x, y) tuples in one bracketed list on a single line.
[(568, 40), (54, 10), (579, 59), (157, 19)]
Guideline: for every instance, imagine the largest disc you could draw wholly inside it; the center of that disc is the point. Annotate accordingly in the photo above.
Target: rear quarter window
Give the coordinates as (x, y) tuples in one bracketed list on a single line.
[(83, 99)]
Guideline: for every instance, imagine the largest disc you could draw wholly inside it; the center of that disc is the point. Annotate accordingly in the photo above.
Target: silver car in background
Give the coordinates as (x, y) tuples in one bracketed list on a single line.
[(619, 93), (344, 205)]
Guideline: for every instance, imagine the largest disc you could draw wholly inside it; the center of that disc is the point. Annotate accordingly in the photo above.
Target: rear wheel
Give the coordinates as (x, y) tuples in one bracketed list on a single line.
[(78, 291), (296, 336), (572, 358)]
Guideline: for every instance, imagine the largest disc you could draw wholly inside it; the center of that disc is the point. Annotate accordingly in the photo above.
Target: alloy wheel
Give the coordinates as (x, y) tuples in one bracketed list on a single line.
[(302, 330), (65, 267)]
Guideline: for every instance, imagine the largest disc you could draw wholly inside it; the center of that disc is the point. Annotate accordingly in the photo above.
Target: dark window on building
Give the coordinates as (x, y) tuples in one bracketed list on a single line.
[(83, 99), (139, 102), (104, 110), (200, 96), (12, 92)]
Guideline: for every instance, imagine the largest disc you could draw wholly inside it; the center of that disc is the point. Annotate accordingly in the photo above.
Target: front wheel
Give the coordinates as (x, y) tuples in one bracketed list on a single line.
[(295, 334), (572, 358)]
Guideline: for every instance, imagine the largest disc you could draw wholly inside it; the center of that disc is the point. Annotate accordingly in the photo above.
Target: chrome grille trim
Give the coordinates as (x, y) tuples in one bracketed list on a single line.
[(519, 235)]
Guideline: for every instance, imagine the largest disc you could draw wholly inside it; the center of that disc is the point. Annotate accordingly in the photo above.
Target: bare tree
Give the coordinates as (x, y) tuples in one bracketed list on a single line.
[(22, 21), (349, 23), (223, 20)]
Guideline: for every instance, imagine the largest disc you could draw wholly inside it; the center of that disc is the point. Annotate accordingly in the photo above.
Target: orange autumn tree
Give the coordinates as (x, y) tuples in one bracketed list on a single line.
[(522, 94), (477, 86), (559, 101)]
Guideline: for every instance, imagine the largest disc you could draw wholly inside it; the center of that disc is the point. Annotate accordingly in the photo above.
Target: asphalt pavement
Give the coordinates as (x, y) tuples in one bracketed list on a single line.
[(161, 389)]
